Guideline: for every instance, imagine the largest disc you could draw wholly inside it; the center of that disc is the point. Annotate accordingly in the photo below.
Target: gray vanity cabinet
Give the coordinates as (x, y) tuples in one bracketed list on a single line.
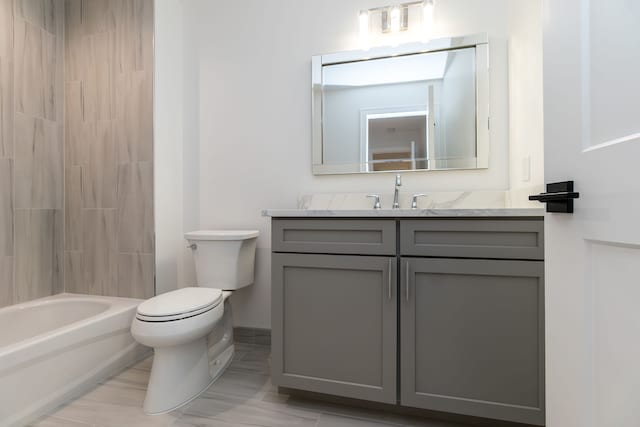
[(459, 328), (472, 333), (334, 322)]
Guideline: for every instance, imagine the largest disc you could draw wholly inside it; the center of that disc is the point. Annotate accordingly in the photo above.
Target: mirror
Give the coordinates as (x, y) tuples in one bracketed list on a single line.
[(422, 106)]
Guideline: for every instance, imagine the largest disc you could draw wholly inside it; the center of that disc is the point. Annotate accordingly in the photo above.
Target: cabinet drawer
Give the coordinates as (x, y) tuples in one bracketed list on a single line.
[(499, 239), (329, 236)]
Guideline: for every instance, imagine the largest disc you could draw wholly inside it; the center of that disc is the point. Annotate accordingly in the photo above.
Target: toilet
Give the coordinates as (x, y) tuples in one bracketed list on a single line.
[(190, 329)]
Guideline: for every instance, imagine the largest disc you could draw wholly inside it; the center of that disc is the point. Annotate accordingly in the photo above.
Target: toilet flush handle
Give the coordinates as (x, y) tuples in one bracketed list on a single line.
[(192, 246)]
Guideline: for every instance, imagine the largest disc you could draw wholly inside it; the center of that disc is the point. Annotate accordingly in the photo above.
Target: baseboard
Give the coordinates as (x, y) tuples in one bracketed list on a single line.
[(252, 335)]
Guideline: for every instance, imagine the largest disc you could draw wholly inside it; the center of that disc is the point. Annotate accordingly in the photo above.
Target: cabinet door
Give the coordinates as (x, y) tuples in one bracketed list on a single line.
[(334, 324), (472, 337)]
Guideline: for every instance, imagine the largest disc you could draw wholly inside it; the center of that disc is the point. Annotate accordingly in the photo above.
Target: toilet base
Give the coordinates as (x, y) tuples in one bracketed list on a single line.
[(180, 374)]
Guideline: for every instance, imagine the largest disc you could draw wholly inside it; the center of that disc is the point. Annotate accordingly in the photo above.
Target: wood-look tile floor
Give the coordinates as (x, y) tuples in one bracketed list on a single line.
[(243, 396)]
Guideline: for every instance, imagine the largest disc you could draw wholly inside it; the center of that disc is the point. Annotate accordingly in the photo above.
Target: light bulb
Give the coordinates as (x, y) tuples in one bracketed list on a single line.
[(427, 19), (395, 19), (363, 20)]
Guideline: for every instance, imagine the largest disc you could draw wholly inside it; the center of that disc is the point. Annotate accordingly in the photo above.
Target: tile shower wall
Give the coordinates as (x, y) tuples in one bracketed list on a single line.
[(108, 175), (31, 149)]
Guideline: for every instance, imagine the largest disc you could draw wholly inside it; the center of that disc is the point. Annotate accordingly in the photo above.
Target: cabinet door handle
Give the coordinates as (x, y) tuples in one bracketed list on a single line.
[(406, 282), (390, 268)]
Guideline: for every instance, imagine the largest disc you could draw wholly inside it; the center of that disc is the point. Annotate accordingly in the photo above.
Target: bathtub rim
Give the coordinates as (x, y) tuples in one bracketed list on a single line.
[(12, 352)]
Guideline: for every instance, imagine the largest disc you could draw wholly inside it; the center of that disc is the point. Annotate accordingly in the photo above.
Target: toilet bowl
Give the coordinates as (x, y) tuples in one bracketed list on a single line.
[(190, 329)]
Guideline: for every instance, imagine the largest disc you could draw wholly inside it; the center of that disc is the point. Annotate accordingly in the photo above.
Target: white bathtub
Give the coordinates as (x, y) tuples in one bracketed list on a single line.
[(56, 348)]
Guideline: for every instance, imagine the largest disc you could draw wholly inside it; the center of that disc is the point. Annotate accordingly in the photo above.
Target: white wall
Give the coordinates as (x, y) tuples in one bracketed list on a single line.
[(247, 114), (525, 95)]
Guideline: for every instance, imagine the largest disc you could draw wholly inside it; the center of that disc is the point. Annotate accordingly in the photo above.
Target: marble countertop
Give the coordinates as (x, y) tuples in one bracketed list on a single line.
[(403, 213)]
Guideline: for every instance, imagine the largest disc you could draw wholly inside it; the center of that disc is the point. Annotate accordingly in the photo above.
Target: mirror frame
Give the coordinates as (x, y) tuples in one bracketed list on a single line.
[(479, 41)]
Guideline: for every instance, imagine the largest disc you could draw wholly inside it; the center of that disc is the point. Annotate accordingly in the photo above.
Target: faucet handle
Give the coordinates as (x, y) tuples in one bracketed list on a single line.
[(414, 200), (376, 203)]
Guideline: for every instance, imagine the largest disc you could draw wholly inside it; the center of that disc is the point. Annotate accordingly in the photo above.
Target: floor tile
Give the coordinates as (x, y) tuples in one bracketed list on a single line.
[(242, 397), (327, 420), (110, 415), (234, 409), (58, 422)]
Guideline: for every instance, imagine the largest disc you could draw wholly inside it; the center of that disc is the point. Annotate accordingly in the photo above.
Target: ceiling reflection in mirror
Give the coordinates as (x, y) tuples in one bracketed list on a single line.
[(398, 113)]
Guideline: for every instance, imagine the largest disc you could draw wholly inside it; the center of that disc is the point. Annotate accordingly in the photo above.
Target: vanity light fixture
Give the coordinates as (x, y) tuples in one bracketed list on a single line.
[(395, 19)]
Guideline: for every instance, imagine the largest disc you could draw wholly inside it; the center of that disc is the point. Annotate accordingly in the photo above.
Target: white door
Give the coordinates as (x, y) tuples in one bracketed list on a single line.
[(592, 136)]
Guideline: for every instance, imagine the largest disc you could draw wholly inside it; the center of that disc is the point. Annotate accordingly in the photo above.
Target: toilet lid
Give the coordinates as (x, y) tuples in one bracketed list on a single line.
[(181, 301)]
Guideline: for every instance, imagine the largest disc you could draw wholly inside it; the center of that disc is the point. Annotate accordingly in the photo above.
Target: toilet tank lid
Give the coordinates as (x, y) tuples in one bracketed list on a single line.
[(222, 235)]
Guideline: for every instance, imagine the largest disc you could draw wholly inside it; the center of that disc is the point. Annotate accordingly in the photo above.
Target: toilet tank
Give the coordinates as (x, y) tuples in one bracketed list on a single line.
[(224, 259)]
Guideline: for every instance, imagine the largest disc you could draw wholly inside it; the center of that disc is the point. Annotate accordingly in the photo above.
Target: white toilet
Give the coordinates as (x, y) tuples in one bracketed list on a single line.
[(190, 329)]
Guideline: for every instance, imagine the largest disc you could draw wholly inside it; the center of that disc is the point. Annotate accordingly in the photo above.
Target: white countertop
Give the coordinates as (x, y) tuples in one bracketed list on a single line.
[(403, 213)]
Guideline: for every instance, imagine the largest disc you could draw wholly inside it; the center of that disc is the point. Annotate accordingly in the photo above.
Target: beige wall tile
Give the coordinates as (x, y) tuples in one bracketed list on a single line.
[(31, 11), (6, 207), (6, 106), (144, 34), (97, 16), (59, 69), (6, 281), (6, 23), (73, 208), (73, 39), (50, 58), (38, 164), (29, 81), (77, 133), (125, 46), (100, 255), (134, 112), (37, 263), (108, 143), (74, 273), (41, 13), (134, 34), (38, 56), (33, 75), (136, 275), (135, 207), (58, 252), (99, 178), (98, 81), (52, 15), (6, 78)]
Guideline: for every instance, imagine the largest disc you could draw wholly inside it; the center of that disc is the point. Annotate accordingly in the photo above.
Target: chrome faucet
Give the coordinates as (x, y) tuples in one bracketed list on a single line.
[(396, 205)]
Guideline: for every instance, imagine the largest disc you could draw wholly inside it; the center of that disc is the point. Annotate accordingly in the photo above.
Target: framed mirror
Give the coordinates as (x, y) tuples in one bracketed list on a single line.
[(414, 107)]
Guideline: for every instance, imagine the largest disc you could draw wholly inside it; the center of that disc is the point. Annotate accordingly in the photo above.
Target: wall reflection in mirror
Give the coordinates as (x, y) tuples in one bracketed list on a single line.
[(411, 111)]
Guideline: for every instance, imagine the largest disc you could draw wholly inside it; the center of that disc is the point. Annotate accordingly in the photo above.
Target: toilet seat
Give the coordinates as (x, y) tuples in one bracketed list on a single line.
[(179, 304)]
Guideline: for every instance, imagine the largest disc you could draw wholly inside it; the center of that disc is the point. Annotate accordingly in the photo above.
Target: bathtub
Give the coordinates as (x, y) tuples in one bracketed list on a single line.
[(56, 348)]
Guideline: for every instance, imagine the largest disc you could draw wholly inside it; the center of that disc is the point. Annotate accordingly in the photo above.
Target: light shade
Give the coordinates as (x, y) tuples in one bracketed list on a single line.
[(363, 20), (395, 19), (427, 18)]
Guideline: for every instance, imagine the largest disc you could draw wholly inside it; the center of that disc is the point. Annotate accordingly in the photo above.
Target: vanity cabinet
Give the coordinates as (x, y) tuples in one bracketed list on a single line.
[(471, 337), (336, 318), (439, 314)]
